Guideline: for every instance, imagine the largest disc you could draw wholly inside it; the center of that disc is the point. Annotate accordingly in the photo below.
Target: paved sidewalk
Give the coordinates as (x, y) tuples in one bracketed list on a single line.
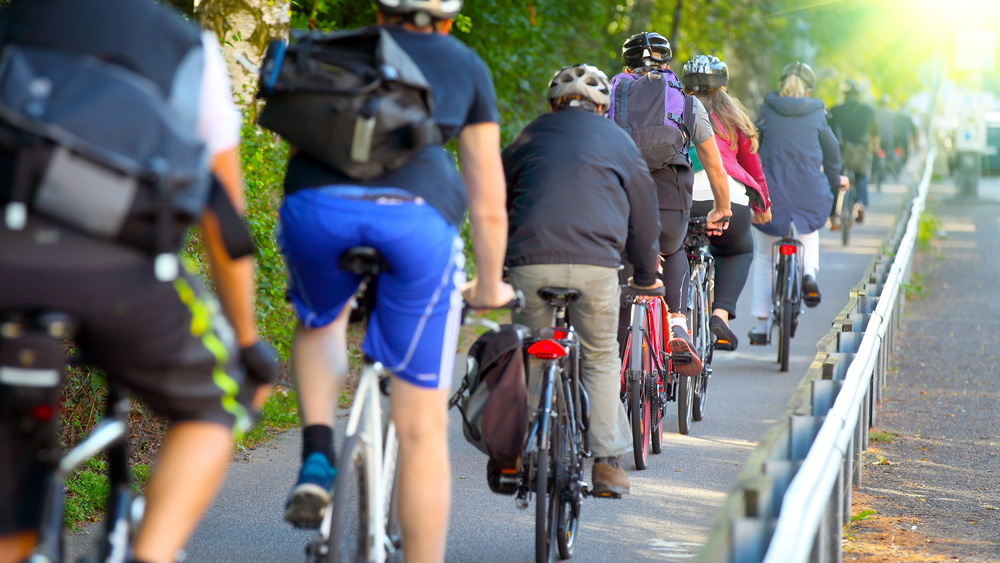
[(933, 478)]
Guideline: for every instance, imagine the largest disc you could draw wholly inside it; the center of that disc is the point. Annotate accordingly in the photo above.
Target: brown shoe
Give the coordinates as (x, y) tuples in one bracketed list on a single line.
[(609, 478)]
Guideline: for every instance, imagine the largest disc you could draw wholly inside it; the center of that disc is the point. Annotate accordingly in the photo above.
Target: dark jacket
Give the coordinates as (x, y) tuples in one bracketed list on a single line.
[(801, 162), (579, 192)]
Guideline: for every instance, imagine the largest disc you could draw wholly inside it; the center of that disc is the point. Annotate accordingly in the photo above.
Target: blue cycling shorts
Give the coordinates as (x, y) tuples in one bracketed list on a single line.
[(413, 328)]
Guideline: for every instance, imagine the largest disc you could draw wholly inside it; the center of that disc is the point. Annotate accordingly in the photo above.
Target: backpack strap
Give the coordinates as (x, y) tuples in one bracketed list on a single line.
[(235, 235), (621, 109), (688, 123)]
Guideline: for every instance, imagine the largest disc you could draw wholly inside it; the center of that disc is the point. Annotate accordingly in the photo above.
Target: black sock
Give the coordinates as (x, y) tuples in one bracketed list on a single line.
[(318, 438)]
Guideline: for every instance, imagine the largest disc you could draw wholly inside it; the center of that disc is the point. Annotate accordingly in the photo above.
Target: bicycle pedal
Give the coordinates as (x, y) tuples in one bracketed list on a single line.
[(607, 494), (724, 345), (681, 358)]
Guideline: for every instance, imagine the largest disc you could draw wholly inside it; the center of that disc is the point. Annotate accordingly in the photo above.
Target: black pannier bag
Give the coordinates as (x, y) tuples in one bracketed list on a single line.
[(101, 149), (494, 401), (353, 100)]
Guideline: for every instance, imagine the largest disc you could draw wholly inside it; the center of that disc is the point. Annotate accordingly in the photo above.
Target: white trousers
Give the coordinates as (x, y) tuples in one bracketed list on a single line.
[(763, 267)]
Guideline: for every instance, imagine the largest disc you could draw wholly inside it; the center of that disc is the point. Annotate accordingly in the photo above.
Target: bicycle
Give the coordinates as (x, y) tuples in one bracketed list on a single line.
[(31, 397), (648, 383), (556, 444), (701, 285), (845, 209), (361, 523), (786, 292)]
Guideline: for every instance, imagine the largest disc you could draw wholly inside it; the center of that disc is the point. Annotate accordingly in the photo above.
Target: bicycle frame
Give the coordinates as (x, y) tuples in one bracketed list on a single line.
[(655, 311), (381, 448)]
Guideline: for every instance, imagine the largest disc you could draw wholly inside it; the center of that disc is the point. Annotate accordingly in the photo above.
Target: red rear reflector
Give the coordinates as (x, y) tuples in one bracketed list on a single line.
[(560, 334), (787, 249), (546, 350), (42, 413)]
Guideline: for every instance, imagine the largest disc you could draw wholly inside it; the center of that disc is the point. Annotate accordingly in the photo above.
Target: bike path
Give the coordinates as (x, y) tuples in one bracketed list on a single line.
[(673, 502)]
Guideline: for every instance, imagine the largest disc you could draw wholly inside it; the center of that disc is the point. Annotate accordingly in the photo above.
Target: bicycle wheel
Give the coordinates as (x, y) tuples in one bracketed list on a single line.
[(348, 537), (705, 346), (545, 505), (638, 401), (567, 503), (785, 333), (685, 403), (847, 216)]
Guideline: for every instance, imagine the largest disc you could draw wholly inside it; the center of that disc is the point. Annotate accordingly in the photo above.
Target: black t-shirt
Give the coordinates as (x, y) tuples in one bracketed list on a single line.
[(463, 95), (853, 122)]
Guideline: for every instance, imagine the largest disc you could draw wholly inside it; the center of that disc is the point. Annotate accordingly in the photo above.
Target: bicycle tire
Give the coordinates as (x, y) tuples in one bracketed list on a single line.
[(638, 402), (347, 540), (685, 404), (545, 513), (393, 529), (705, 347), (785, 334), (567, 505), (847, 217)]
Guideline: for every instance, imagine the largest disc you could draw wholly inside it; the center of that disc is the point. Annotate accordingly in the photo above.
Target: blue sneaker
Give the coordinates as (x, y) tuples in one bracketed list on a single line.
[(311, 493)]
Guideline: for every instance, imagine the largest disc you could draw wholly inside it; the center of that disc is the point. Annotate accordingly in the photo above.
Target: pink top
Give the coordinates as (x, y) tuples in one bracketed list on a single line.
[(743, 166)]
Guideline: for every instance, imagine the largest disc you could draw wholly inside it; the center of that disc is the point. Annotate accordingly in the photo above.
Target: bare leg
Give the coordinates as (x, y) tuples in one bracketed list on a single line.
[(722, 314), (188, 473), (319, 364), (421, 417)]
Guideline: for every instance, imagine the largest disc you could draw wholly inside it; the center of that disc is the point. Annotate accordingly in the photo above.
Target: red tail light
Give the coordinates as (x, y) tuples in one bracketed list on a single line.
[(559, 334), (42, 413), (787, 249), (547, 350)]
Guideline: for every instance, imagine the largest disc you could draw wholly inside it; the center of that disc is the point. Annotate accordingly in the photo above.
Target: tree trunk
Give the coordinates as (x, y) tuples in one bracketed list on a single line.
[(676, 23), (244, 28), (641, 16)]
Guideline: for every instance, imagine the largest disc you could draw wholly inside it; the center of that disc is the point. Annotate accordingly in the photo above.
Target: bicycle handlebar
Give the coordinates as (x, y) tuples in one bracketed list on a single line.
[(515, 304)]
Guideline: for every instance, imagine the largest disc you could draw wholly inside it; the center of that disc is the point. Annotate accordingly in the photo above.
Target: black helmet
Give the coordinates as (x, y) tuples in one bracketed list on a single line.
[(705, 72), (421, 11), (646, 46), (802, 70)]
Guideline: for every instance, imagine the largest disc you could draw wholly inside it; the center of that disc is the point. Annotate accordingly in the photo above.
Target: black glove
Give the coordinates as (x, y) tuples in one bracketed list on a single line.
[(261, 363)]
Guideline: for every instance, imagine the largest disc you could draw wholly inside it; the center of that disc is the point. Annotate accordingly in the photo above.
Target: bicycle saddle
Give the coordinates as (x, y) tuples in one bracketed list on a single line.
[(629, 291), (559, 296), (363, 261)]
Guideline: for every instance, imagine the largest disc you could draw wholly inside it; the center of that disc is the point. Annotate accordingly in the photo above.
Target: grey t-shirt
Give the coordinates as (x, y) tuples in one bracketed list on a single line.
[(702, 124)]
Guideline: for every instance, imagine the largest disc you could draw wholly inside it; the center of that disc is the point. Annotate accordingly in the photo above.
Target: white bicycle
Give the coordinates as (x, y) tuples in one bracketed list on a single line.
[(360, 523)]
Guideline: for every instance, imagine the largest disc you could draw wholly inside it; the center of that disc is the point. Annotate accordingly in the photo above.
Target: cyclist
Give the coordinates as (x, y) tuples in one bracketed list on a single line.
[(802, 164), (412, 217), (163, 340), (854, 123), (575, 204), (706, 78), (885, 125), (649, 52)]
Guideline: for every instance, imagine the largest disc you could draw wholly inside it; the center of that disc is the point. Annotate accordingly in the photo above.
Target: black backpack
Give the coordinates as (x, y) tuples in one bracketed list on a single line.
[(100, 148), (493, 398), (354, 100)]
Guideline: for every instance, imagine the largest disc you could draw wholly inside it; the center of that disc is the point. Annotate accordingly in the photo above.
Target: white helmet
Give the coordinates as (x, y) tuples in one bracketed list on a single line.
[(422, 11), (583, 80)]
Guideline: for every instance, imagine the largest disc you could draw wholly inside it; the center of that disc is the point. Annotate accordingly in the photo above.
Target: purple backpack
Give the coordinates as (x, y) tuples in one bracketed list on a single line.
[(654, 110)]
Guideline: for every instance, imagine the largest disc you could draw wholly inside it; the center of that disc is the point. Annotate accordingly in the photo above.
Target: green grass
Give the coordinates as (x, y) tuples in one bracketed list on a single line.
[(882, 436), (915, 288), (927, 229), (279, 413), (87, 491)]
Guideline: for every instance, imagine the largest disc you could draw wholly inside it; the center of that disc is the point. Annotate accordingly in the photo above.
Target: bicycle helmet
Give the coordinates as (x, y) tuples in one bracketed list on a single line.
[(583, 80), (421, 12), (802, 70), (705, 72), (644, 48)]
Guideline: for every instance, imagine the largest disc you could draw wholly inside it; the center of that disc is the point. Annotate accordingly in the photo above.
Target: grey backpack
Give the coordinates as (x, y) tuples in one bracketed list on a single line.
[(353, 100)]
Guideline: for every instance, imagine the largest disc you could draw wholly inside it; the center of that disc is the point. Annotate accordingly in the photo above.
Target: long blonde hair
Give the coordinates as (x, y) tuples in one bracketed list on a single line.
[(731, 115), (793, 87)]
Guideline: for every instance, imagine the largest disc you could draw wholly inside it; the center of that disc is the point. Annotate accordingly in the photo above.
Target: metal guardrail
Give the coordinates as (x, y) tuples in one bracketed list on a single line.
[(793, 497)]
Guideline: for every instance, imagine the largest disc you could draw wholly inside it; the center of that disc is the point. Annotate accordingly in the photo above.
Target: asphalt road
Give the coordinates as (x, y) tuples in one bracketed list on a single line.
[(673, 502)]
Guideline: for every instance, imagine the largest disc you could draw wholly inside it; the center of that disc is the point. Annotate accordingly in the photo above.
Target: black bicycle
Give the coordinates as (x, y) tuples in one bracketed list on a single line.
[(701, 286), (786, 293), (551, 464), (31, 379)]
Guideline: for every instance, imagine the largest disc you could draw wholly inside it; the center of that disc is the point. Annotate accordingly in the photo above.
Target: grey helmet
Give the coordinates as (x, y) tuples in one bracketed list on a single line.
[(705, 72), (586, 81), (422, 12), (802, 70)]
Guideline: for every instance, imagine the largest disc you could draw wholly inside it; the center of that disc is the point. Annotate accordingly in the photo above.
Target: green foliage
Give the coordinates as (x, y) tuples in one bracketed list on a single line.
[(87, 490), (915, 287), (279, 413), (927, 228), (882, 436)]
